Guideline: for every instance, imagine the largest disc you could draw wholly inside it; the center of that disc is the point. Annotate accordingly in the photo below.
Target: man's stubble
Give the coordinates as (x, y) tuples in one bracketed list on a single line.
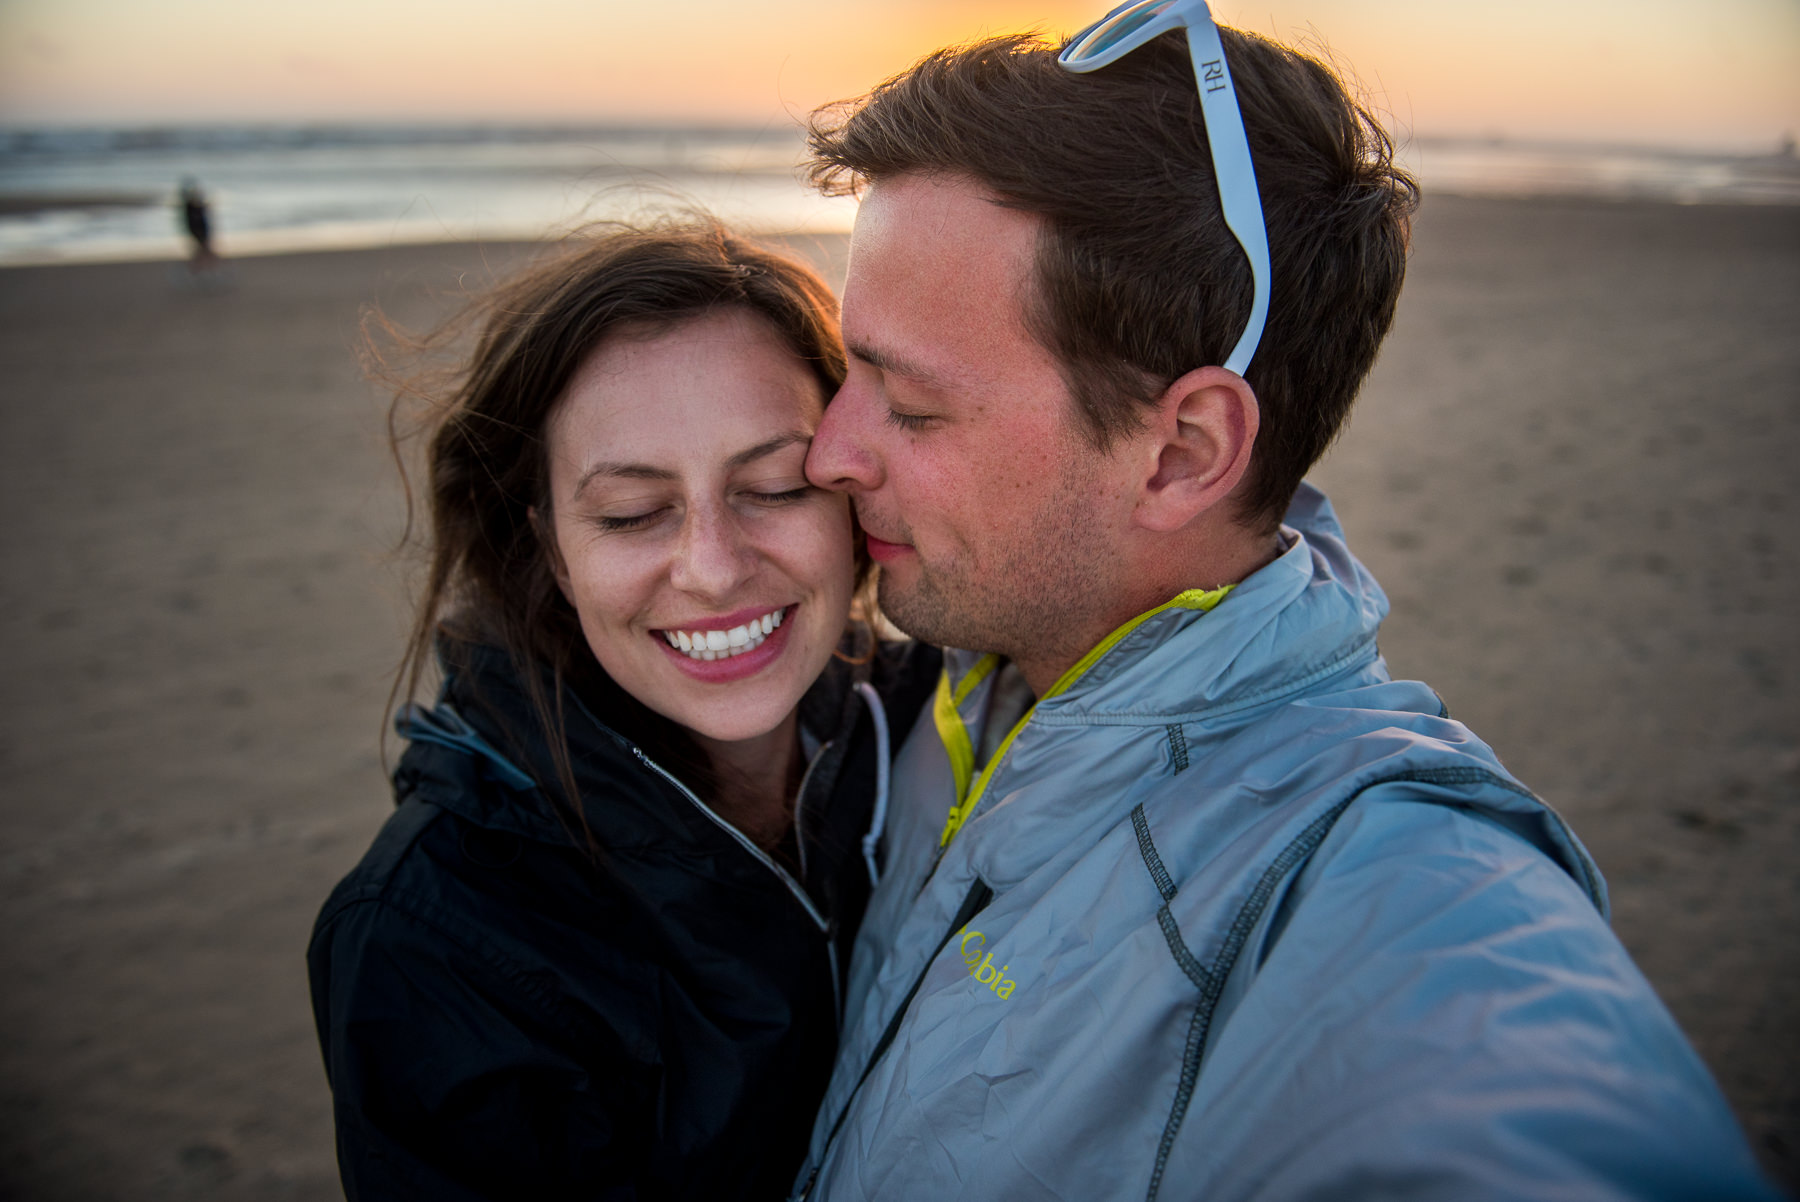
[(1028, 597)]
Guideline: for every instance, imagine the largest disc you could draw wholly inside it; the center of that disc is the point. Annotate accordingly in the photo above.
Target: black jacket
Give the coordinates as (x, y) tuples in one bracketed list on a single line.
[(504, 1015)]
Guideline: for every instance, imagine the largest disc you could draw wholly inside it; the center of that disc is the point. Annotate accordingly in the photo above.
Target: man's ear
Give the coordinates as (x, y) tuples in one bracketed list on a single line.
[(1200, 436), (547, 536)]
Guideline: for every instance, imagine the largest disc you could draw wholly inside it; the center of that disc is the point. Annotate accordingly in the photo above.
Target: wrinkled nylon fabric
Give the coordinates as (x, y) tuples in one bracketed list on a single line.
[(1265, 924)]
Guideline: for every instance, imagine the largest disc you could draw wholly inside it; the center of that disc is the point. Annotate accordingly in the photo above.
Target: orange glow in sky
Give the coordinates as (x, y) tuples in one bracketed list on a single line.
[(1653, 71)]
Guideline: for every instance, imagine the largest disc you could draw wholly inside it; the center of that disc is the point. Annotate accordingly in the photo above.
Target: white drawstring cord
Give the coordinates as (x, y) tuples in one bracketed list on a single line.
[(878, 822)]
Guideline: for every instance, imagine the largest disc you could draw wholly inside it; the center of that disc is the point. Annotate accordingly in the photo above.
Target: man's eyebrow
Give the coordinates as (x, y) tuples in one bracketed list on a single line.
[(645, 471), (894, 365)]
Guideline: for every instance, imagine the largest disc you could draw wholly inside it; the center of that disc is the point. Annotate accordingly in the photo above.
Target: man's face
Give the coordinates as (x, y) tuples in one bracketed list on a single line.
[(955, 434)]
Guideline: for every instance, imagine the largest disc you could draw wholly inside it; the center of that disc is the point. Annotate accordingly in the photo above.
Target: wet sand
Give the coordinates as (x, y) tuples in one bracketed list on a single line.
[(1574, 470)]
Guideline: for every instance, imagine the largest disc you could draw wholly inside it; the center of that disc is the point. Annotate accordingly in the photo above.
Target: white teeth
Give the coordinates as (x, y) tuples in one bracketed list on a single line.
[(723, 644)]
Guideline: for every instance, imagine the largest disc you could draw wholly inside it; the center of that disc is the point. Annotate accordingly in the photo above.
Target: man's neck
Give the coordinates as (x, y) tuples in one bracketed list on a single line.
[(1232, 562)]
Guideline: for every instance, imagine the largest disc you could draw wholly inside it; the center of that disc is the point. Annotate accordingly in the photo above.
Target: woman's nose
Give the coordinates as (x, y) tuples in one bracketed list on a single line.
[(714, 555)]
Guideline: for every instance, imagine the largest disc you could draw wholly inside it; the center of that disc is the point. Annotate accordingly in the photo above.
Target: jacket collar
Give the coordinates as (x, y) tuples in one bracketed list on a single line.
[(1312, 613), (481, 752), (1309, 614)]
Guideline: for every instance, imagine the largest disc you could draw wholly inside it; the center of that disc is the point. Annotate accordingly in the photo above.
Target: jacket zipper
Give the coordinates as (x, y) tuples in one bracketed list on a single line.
[(800, 803), (831, 950), (979, 896), (793, 886)]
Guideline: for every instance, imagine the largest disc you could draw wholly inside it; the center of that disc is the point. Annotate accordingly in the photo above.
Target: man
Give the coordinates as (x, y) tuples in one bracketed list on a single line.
[(1226, 913)]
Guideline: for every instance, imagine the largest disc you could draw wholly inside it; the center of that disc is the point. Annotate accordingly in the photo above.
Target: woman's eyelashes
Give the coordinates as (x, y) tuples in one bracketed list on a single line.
[(629, 521), (761, 497), (784, 496)]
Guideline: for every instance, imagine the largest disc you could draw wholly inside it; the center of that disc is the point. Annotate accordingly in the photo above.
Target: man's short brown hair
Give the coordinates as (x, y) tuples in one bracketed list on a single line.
[(1139, 280)]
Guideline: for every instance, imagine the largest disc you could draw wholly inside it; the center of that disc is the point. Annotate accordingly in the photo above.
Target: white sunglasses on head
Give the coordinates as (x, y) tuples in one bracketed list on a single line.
[(1129, 26)]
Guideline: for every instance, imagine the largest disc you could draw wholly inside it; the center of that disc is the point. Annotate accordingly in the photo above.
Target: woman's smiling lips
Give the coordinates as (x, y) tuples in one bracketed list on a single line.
[(729, 647)]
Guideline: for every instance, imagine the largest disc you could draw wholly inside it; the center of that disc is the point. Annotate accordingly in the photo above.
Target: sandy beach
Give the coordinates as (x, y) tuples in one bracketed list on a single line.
[(1574, 471)]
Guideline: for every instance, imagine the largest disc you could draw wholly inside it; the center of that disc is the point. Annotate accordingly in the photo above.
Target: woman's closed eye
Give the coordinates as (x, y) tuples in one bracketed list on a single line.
[(611, 522), (772, 496), (783, 496)]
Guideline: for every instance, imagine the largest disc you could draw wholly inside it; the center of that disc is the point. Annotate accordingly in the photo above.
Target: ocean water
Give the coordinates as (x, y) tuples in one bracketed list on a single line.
[(110, 194), (1497, 167)]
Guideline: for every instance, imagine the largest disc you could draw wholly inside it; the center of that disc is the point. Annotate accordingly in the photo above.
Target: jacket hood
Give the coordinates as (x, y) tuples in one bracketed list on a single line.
[(483, 725), (484, 712), (1311, 613)]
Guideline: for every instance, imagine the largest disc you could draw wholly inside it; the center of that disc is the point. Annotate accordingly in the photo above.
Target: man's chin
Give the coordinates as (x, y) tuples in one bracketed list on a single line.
[(906, 610), (920, 612)]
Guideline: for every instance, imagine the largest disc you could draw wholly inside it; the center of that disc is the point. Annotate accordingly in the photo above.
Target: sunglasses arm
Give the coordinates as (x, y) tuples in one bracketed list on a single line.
[(1236, 178)]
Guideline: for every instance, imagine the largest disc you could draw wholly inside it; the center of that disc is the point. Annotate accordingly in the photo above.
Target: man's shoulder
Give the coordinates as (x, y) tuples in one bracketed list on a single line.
[(1326, 784), (1428, 972), (1409, 849)]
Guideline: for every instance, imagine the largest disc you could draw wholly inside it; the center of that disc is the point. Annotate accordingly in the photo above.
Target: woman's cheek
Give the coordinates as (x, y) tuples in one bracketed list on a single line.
[(614, 576), (833, 532)]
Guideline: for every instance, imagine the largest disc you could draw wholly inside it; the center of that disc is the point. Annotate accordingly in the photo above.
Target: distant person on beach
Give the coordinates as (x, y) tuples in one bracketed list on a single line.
[(1183, 896), (196, 219), (599, 949)]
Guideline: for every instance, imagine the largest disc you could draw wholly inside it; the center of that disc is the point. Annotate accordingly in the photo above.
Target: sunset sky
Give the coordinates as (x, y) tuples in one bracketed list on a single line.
[(1657, 72)]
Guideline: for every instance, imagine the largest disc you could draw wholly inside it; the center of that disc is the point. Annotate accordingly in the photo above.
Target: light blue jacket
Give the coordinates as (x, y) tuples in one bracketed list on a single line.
[(1232, 915)]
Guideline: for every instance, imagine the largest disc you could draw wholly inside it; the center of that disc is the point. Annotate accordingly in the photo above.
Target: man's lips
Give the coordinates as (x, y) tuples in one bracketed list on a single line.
[(882, 551)]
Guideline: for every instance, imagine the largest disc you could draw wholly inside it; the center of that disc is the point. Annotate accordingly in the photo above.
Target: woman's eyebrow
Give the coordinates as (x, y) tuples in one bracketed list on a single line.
[(645, 471), (622, 471), (769, 447)]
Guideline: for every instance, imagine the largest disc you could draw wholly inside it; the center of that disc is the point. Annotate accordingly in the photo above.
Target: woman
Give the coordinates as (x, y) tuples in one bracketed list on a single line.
[(597, 951)]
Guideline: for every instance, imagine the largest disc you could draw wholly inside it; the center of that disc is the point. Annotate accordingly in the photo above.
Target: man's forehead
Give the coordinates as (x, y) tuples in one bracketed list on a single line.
[(923, 219), (939, 272)]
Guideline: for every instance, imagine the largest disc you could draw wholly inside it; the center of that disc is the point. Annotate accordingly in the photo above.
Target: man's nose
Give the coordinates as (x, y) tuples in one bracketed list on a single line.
[(842, 455), (714, 555)]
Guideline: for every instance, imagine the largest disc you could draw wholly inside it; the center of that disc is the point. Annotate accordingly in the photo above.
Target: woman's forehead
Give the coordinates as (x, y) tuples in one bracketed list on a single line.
[(720, 392)]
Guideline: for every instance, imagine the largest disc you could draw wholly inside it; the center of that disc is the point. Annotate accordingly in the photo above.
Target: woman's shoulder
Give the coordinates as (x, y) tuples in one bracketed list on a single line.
[(442, 967), (430, 873), (446, 905)]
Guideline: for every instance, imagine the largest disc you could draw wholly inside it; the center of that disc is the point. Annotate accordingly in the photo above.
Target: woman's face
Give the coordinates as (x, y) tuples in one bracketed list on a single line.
[(711, 580)]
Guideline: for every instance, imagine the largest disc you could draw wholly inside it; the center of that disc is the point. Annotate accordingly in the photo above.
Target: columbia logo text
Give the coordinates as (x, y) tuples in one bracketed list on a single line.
[(980, 963)]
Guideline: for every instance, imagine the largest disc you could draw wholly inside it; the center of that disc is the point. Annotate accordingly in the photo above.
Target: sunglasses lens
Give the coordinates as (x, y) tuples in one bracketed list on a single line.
[(1110, 33)]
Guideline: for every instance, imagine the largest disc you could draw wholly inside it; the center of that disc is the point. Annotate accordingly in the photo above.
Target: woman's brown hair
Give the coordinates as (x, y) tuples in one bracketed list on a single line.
[(489, 577)]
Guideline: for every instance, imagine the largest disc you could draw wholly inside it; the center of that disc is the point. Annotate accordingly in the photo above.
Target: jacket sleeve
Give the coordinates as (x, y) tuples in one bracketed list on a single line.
[(1435, 1010), (453, 1076)]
